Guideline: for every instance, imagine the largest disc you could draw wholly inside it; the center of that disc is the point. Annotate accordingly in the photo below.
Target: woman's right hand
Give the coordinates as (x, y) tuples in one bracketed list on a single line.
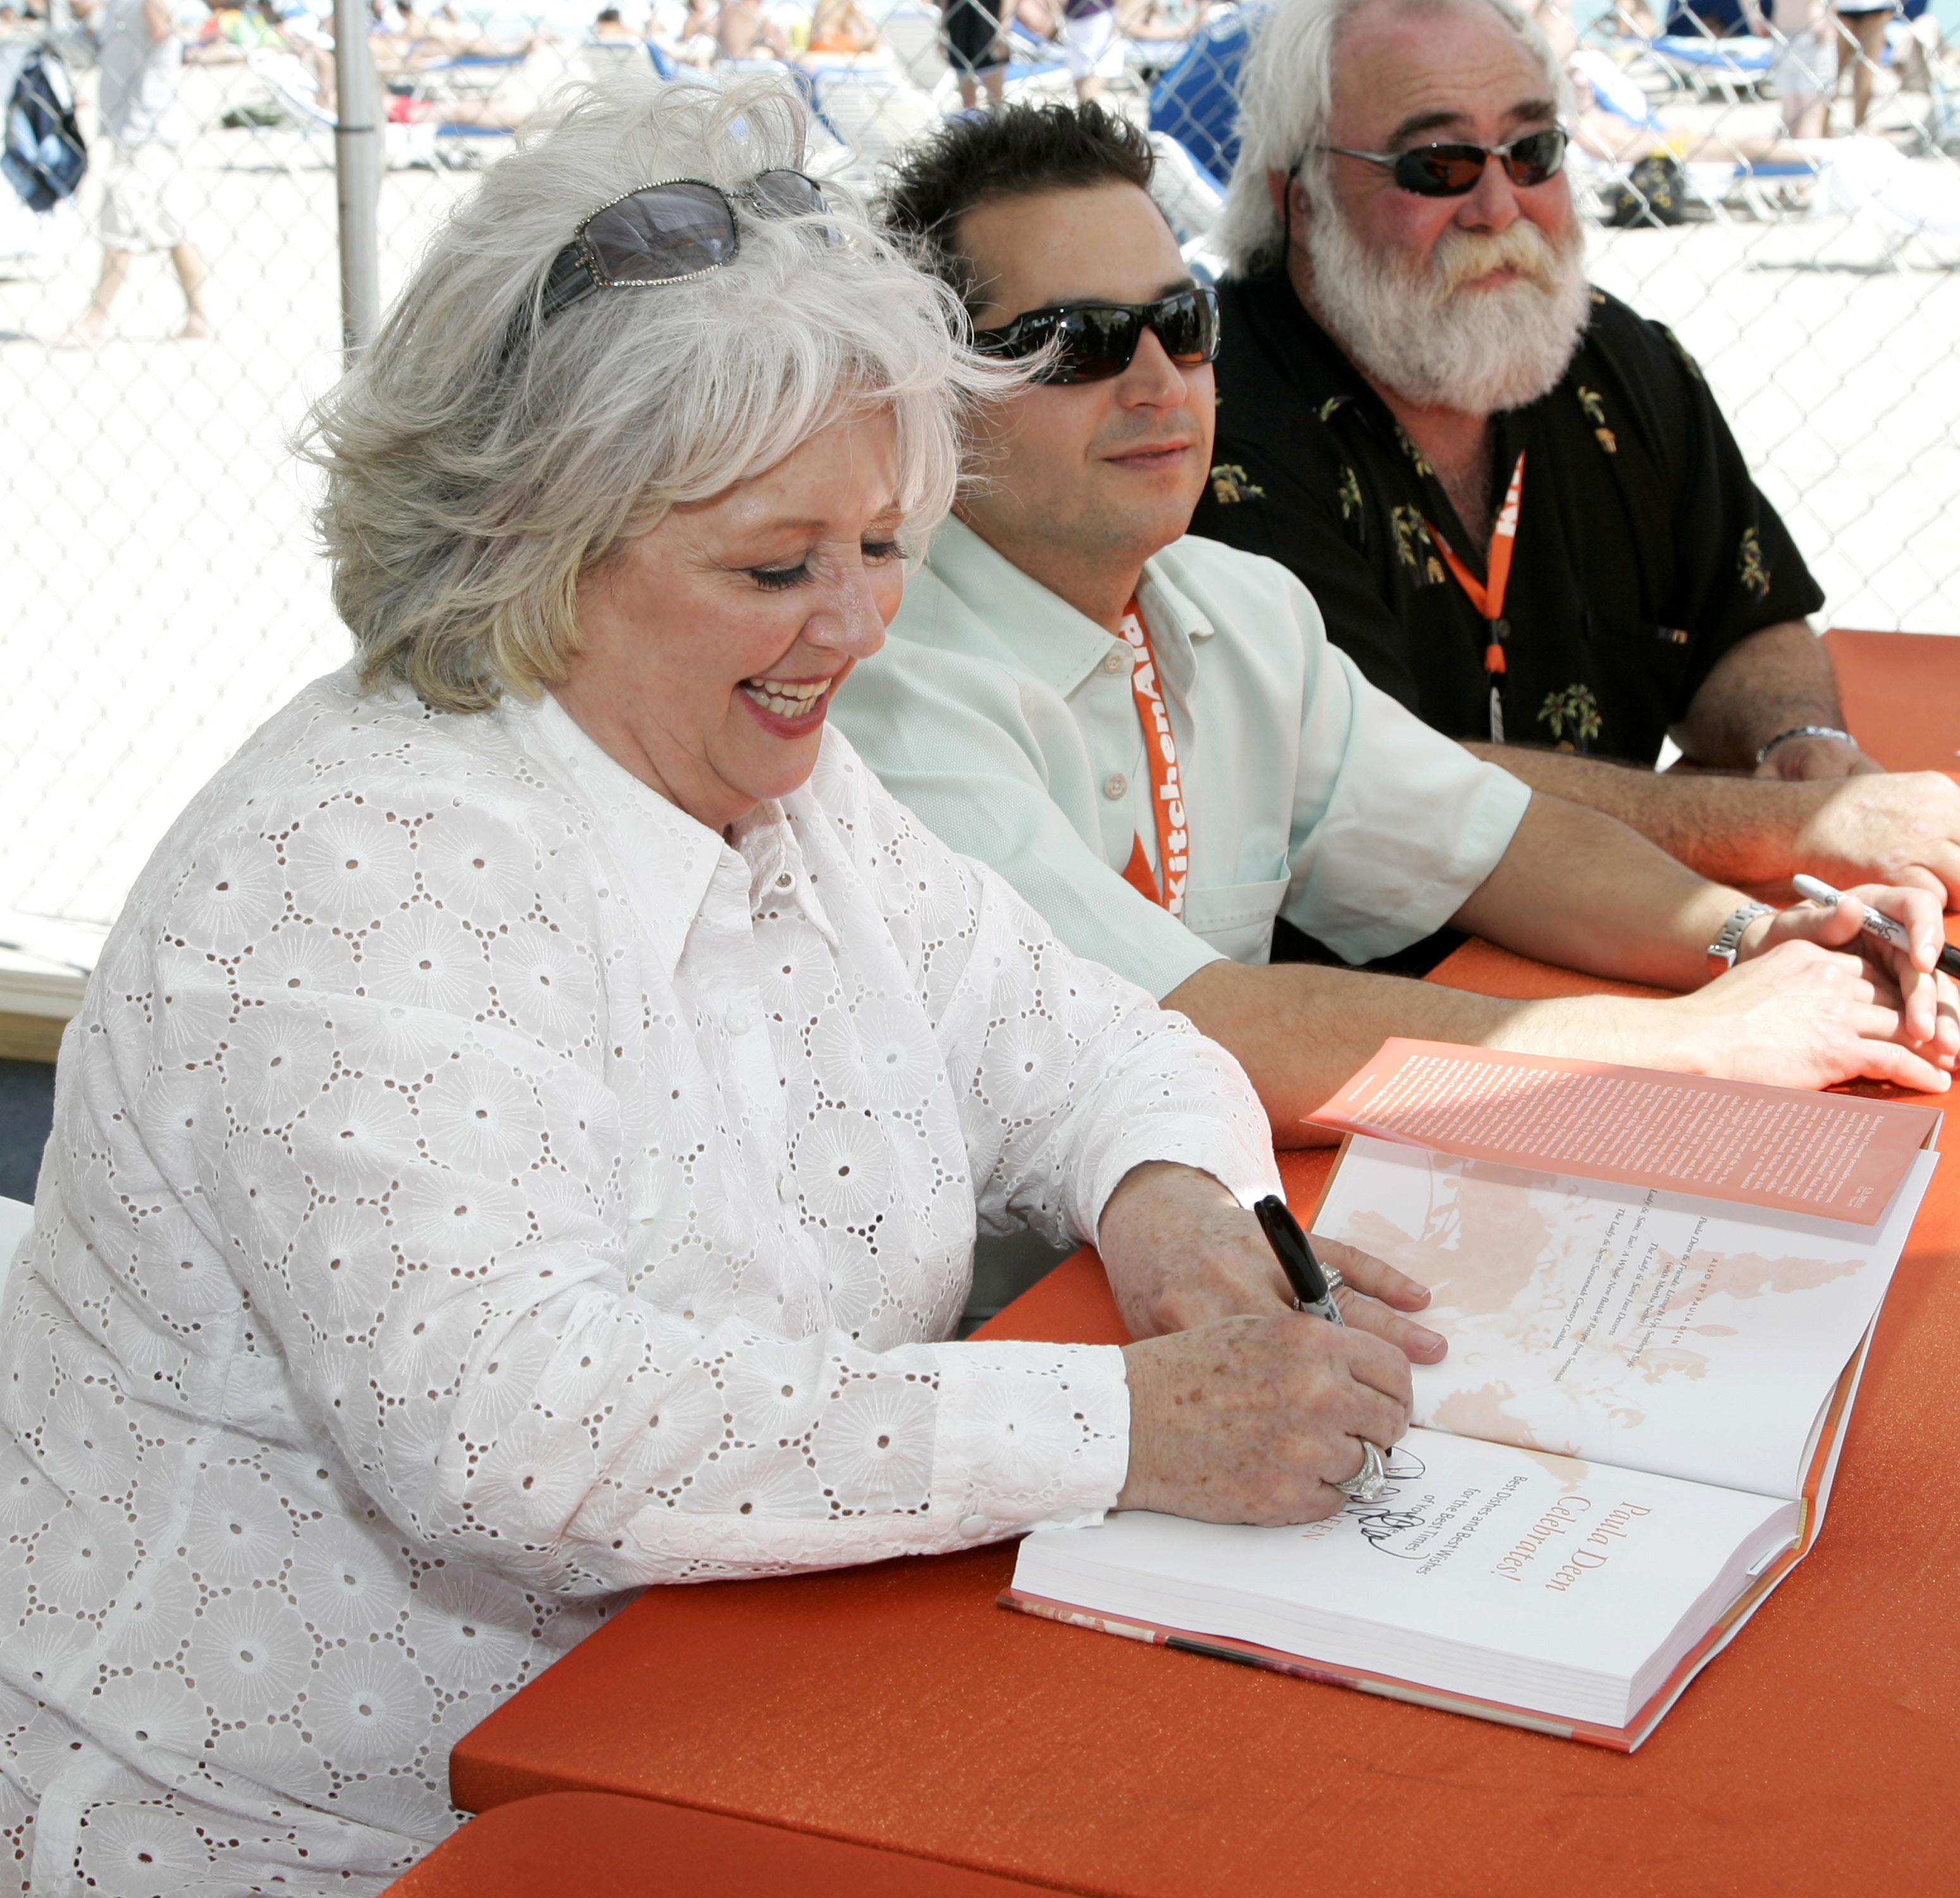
[(1255, 1419)]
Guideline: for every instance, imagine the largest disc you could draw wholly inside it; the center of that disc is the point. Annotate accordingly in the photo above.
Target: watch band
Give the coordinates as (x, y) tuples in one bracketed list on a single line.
[(1721, 951), (1802, 731)]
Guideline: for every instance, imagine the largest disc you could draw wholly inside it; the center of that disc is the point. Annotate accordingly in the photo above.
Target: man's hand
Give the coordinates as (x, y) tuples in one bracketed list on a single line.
[(1800, 760), (1255, 1420), (1904, 979), (1812, 1001), (1901, 828), (1181, 1251)]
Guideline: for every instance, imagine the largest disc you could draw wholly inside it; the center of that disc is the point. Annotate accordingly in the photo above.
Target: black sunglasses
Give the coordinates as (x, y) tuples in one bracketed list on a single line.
[(671, 233), (1100, 340), (1452, 171)]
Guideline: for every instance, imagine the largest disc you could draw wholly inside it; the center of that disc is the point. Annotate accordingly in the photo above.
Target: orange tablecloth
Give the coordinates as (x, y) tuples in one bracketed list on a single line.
[(1901, 695), (897, 1706), (592, 1844)]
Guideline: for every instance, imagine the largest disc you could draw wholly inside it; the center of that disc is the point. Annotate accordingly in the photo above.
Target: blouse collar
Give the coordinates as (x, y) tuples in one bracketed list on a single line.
[(671, 857)]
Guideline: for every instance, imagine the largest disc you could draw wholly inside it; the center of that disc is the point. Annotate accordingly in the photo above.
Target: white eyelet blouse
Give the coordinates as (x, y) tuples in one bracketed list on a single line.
[(477, 1190)]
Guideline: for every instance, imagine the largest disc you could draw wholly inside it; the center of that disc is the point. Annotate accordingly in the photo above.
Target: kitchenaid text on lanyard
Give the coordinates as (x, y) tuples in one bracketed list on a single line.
[(1488, 598), (1167, 785)]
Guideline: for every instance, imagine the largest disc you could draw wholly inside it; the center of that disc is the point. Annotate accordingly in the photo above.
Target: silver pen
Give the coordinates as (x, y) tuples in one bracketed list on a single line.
[(1887, 929)]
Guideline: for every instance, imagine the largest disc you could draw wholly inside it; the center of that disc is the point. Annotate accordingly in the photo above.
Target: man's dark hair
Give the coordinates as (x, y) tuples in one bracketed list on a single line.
[(981, 158)]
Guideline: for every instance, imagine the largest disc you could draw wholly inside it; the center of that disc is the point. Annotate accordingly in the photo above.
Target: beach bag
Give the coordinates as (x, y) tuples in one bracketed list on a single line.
[(43, 155), (1653, 194)]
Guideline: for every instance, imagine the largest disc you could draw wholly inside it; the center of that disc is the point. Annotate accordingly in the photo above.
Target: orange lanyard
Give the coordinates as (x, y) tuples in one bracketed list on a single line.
[(1167, 787), (1489, 598)]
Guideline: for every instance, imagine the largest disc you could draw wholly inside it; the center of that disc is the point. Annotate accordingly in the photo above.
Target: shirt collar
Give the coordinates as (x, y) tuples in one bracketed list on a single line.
[(1174, 624), (1299, 348), (770, 839), (670, 860), (1320, 369), (1051, 640)]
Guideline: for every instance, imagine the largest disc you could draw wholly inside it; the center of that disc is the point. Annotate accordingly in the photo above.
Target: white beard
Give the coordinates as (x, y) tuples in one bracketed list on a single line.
[(1415, 332)]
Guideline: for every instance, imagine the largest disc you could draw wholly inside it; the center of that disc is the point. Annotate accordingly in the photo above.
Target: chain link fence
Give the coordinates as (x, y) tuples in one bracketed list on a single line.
[(162, 593)]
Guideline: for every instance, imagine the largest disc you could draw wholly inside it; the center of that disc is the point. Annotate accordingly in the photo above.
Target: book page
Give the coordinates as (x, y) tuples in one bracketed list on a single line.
[(1540, 1581), (1837, 1155), (1653, 1330)]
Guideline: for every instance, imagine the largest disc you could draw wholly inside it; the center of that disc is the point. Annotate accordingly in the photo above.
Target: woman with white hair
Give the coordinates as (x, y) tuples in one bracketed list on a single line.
[(524, 1137)]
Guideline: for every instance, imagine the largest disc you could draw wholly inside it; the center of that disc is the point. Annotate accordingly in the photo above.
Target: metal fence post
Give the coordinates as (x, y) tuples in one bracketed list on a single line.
[(357, 153)]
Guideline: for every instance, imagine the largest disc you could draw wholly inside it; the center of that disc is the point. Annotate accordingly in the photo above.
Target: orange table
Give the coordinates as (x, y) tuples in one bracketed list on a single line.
[(896, 1706), (1901, 695), (596, 1844)]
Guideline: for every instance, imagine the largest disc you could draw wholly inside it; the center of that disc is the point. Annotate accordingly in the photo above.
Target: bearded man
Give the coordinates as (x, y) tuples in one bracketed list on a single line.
[(1516, 502)]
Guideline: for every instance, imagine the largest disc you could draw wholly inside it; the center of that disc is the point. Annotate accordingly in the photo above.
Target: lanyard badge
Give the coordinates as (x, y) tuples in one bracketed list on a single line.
[(1488, 597), (1166, 786)]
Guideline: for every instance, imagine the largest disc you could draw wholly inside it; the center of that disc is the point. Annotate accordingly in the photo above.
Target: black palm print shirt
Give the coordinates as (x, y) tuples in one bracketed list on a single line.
[(1644, 550)]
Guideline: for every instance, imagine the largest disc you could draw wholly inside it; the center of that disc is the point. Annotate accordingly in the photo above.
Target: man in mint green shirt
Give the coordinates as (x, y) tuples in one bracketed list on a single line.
[(1004, 716), (1001, 710)]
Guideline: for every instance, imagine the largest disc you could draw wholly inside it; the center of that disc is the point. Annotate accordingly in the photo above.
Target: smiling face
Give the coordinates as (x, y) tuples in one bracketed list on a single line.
[(711, 645), (1472, 303), (1079, 484)]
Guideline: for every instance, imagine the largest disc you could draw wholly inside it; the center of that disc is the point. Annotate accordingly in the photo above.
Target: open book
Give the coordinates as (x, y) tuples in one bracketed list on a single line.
[(1658, 1291)]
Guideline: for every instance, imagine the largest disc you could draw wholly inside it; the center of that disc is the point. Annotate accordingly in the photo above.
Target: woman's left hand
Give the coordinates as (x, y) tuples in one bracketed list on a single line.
[(1181, 1251), (1905, 979)]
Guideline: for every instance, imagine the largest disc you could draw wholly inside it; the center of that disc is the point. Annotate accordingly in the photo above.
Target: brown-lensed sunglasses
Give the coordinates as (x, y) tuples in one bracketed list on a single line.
[(1452, 171)]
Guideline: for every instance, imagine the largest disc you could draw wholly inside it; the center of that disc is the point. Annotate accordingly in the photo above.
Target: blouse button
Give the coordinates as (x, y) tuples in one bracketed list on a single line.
[(975, 1525), (1115, 662), (738, 1020), (785, 1186), (1114, 785), (785, 881)]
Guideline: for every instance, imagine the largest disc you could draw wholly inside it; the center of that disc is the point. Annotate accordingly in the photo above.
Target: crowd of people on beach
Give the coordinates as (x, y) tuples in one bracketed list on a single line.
[(706, 34)]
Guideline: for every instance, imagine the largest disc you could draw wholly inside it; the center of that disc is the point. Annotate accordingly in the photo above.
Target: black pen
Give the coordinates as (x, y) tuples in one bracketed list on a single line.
[(1294, 1251)]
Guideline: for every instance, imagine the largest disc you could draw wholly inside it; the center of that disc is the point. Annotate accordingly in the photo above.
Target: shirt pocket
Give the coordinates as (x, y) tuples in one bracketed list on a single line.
[(1236, 919)]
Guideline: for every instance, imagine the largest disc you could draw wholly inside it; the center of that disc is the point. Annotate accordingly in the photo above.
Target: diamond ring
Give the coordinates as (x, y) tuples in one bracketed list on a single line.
[(1370, 1483)]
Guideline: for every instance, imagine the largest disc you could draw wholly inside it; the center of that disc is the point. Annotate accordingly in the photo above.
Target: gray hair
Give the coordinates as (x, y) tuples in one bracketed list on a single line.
[(1285, 99), (479, 461)]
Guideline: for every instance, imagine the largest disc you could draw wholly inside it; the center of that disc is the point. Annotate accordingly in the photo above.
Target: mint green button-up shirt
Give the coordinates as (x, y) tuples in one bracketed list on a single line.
[(1005, 719)]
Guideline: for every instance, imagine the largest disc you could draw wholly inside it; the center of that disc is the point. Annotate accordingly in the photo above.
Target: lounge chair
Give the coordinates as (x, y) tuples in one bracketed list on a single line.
[(292, 90), (871, 111), (1197, 100)]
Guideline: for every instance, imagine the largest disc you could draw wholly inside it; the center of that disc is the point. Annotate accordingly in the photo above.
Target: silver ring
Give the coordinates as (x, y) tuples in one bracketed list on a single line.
[(1332, 1273), (1370, 1483)]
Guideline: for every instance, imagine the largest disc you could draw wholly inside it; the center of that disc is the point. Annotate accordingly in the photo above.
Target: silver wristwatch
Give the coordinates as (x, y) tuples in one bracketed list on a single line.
[(1721, 951), (1802, 731)]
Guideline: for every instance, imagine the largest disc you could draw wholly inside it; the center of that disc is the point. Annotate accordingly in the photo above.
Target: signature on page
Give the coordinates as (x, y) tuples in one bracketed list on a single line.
[(1397, 1514)]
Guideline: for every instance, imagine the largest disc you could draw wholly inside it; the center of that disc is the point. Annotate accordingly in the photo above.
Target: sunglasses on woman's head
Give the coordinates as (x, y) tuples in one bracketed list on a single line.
[(1100, 340), (671, 233), (1452, 171)]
